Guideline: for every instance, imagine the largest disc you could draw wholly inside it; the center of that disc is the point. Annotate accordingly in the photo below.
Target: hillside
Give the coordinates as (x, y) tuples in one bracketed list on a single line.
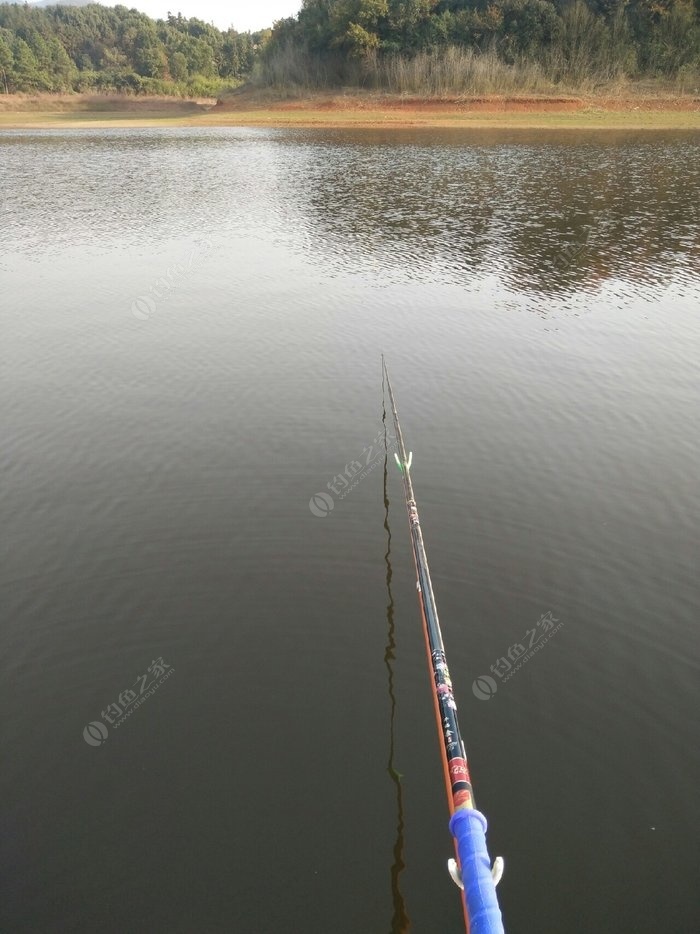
[(40, 3), (415, 47), (89, 47), (485, 46)]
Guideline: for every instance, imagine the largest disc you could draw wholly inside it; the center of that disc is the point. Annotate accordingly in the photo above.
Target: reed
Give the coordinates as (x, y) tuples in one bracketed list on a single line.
[(581, 69)]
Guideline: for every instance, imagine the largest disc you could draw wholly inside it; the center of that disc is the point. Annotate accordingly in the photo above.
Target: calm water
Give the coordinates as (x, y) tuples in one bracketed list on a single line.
[(192, 324)]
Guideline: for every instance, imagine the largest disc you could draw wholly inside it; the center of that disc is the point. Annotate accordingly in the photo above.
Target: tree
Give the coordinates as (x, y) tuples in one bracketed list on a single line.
[(178, 66), (6, 61), (356, 25), (26, 70), (61, 68)]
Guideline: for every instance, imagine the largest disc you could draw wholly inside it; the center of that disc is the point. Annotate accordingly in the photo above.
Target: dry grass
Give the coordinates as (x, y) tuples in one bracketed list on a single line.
[(100, 103), (456, 71), (630, 110)]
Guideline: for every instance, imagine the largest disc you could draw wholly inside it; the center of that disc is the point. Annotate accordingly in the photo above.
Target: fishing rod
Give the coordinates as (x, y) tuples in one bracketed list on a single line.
[(473, 873)]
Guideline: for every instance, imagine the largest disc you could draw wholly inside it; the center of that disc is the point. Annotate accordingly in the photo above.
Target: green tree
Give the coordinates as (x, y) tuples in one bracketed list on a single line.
[(178, 66), (356, 25), (25, 69), (63, 71), (6, 61)]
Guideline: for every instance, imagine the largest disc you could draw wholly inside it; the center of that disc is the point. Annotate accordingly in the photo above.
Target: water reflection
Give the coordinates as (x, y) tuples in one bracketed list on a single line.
[(115, 189), (400, 922), (548, 215)]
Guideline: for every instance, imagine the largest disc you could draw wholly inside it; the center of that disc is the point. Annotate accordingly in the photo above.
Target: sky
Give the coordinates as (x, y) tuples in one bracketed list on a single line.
[(243, 15)]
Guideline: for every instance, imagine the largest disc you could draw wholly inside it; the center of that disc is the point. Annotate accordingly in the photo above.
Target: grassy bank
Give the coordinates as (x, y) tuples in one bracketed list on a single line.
[(630, 110)]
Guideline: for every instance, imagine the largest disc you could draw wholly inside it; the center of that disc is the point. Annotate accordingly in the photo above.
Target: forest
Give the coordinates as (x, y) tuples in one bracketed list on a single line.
[(481, 46), (405, 46), (98, 48)]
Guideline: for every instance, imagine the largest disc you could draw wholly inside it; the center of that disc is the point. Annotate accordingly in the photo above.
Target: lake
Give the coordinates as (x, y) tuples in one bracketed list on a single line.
[(215, 701)]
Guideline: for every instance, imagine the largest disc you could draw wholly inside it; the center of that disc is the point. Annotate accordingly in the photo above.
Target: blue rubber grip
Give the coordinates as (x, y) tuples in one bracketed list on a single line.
[(468, 827)]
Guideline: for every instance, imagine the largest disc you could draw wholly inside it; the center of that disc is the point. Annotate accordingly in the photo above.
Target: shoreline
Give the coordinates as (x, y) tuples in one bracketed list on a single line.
[(358, 111)]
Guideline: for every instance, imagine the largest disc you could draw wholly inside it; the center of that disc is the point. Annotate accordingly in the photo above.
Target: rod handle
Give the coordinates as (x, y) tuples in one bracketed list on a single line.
[(468, 827)]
